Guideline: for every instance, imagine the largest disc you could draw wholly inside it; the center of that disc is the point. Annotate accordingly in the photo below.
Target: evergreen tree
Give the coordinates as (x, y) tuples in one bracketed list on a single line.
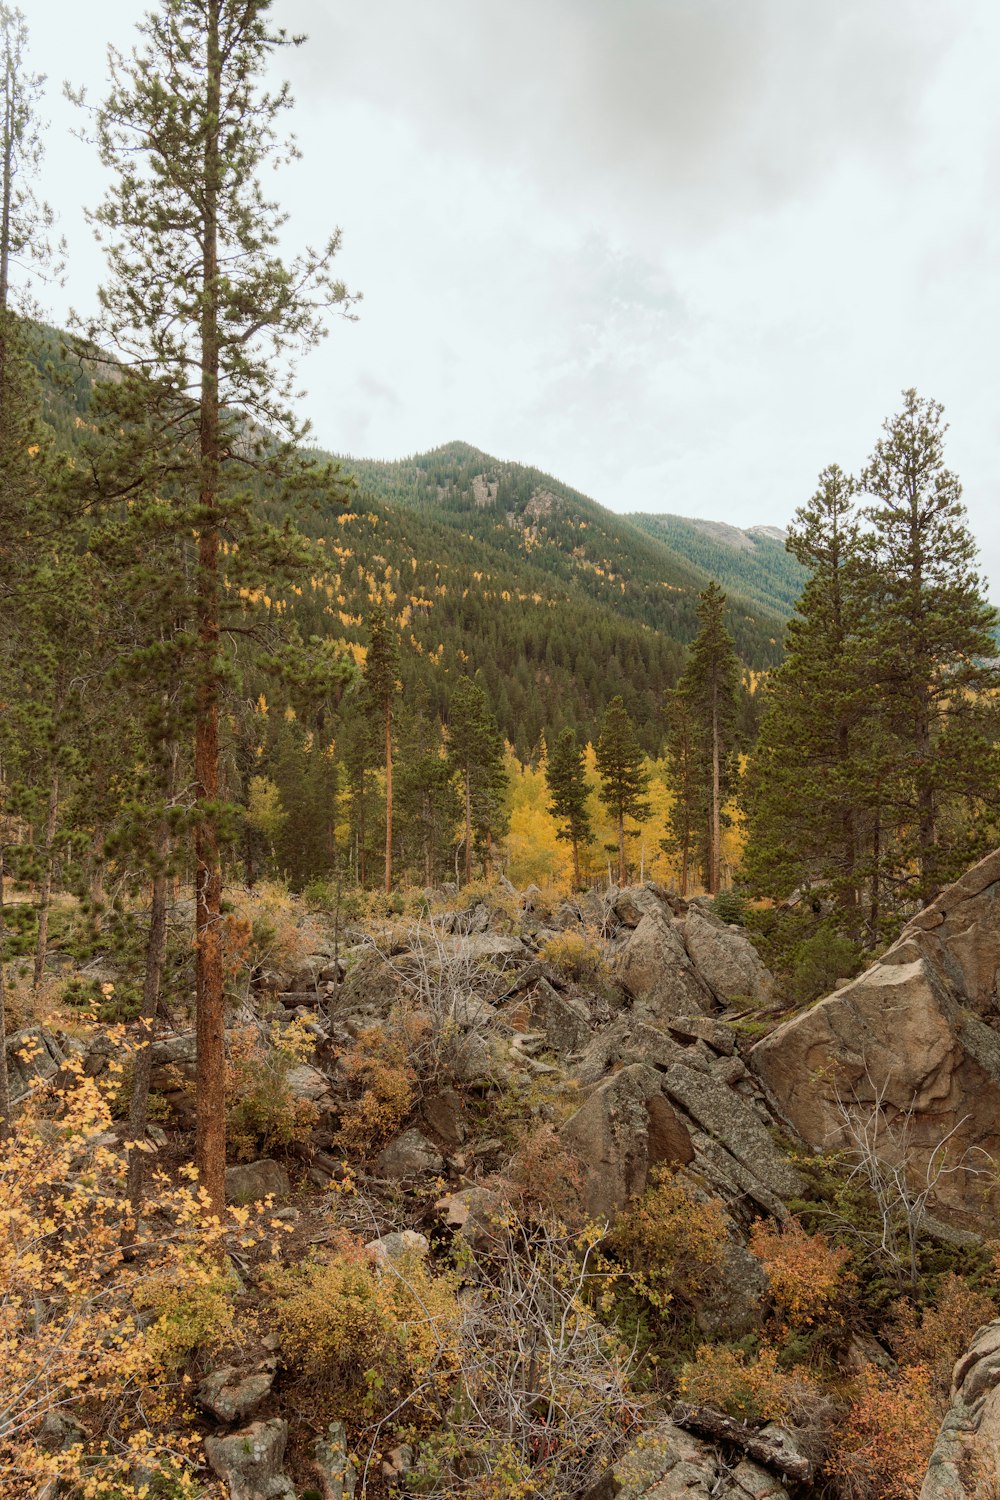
[(427, 801), (709, 688), (568, 788), (203, 312), (475, 755), (688, 812), (931, 634), (381, 680), (624, 778), (814, 777)]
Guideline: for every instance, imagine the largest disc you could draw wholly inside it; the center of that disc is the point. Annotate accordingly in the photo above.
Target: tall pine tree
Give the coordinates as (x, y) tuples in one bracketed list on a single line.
[(381, 680), (202, 312), (568, 788), (624, 778)]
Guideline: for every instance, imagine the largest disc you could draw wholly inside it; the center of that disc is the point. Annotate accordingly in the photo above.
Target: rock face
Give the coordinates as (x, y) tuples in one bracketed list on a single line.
[(671, 1464), (965, 1464), (250, 1461), (907, 1043)]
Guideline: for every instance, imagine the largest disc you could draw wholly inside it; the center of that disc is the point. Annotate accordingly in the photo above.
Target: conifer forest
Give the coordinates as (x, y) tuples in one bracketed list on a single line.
[(498, 995)]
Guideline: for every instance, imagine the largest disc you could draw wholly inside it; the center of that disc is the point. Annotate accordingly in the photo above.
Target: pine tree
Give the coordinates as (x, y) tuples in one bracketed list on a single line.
[(930, 638), (202, 312), (814, 778), (475, 755), (381, 680), (624, 778), (688, 811), (709, 688), (568, 788)]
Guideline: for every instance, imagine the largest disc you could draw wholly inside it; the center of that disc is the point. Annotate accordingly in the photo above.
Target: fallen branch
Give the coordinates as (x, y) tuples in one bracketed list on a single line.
[(769, 1451)]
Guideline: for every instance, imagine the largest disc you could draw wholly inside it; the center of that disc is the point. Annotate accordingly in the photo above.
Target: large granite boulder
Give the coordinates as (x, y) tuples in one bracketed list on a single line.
[(623, 1129), (965, 1464), (726, 959), (655, 968), (668, 1463), (904, 1048)]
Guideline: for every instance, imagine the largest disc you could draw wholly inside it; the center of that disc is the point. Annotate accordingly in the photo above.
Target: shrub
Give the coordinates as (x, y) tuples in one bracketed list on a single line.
[(884, 1444), (574, 955), (365, 1338), (671, 1239), (751, 1388), (819, 962), (378, 1071), (545, 1175), (263, 1115), (937, 1335), (192, 1307), (730, 906), (804, 1272)]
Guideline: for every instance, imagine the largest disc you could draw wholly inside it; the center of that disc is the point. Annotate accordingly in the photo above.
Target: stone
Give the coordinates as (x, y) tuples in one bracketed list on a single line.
[(965, 1463), (470, 1213), (667, 1463), (655, 969), (331, 1460), (172, 1060), (249, 1461), (409, 1155), (731, 1307), (398, 1246), (33, 1056), (565, 1022), (254, 1180), (717, 1034), (308, 1083), (619, 1133), (731, 1121), (726, 959), (229, 1394), (444, 1114), (895, 1040)]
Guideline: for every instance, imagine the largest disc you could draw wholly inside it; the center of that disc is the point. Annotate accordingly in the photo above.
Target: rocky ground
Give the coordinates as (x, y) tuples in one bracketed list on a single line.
[(631, 1031)]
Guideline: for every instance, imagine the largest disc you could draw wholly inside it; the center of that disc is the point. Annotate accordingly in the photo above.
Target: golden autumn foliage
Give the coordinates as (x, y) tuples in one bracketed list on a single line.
[(938, 1334), (883, 1446), (748, 1387), (383, 1081), (88, 1379), (671, 1239)]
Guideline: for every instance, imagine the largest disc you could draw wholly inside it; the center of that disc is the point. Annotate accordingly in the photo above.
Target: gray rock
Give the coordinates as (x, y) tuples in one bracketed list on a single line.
[(409, 1155), (565, 1022), (668, 1463), (655, 969), (398, 1246), (249, 1461), (622, 1130), (444, 1114), (310, 1084), (229, 1394), (726, 959), (337, 1474), (254, 1180)]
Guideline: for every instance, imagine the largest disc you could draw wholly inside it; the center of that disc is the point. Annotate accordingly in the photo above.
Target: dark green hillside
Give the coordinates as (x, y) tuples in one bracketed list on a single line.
[(530, 517), (751, 563), (557, 602)]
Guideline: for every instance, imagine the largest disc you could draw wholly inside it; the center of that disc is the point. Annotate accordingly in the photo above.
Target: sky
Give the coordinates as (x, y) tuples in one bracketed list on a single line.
[(680, 254)]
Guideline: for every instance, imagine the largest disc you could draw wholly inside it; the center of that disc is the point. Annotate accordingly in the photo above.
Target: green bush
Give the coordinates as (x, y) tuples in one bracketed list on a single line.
[(730, 906), (819, 962)]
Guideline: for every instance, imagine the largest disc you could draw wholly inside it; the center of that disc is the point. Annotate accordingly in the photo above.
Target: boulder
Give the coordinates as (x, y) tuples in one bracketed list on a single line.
[(565, 1022), (654, 967), (230, 1394), (444, 1115), (332, 1463), (33, 1056), (409, 1155), (668, 1463), (249, 1461), (310, 1084), (399, 1245), (965, 1463), (623, 1129), (897, 1049), (254, 1180), (726, 959)]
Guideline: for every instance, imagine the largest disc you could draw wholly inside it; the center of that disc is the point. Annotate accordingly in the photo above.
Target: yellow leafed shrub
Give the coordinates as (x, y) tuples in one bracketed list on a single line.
[(383, 1083), (804, 1272), (750, 1388), (671, 1239)]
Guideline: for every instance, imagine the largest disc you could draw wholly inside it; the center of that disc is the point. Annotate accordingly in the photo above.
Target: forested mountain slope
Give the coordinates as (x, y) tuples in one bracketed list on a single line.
[(752, 563), (557, 601)]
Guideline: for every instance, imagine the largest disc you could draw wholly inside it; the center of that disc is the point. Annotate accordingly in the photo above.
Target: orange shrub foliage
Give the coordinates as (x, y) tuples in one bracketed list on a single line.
[(671, 1239), (544, 1174), (383, 1082), (940, 1333), (805, 1273), (884, 1443)]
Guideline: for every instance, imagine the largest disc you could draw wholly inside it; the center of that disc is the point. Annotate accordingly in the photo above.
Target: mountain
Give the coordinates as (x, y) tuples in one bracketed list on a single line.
[(495, 566), (750, 563)]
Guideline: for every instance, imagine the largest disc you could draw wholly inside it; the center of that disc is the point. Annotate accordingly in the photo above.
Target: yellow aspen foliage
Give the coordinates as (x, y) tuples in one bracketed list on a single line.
[(75, 1272)]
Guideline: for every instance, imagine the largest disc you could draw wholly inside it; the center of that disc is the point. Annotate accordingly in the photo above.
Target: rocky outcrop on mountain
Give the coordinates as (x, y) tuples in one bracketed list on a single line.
[(669, 1463), (908, 1049), (965, 1464)]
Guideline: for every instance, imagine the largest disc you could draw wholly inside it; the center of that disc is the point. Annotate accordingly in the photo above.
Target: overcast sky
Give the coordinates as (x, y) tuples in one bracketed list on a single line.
[(681, 254)]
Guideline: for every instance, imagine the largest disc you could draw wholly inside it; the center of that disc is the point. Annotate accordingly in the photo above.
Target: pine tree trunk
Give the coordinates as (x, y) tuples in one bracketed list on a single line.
[(875, 913), (576, 863), (45, 894), (156, 949), (96, 882), (622, 872), (210, 1118), (716, 841), (468, 827), (388, 799), (4, 1078)]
